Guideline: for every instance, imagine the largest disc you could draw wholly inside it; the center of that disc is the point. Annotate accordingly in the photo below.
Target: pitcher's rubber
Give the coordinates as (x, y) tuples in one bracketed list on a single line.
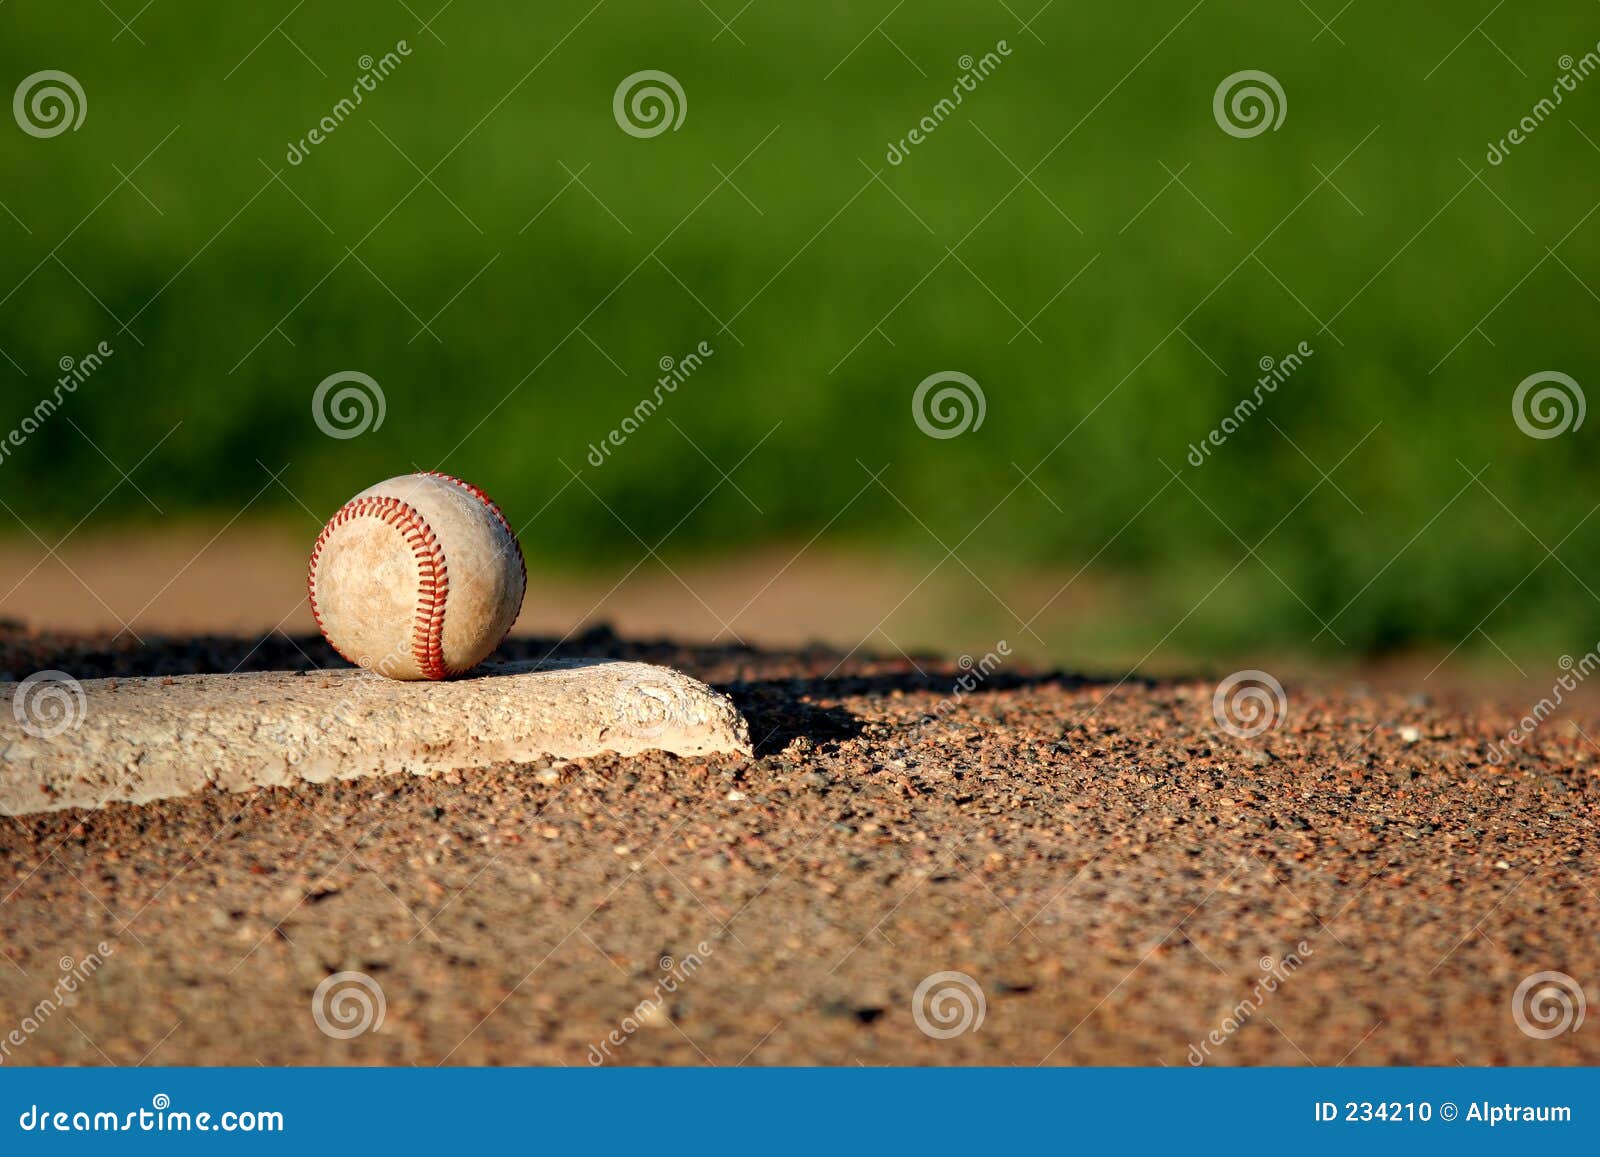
[(141, 739)]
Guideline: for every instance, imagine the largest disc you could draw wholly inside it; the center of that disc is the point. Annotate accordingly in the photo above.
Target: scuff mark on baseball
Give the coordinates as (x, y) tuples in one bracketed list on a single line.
[(418, 577)]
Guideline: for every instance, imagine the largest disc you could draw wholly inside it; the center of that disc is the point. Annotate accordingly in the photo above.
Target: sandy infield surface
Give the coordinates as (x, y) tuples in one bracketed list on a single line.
[(1112, 874)]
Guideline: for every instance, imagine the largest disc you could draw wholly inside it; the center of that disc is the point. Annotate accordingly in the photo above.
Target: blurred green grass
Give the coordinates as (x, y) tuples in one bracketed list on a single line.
[(1440, 292)]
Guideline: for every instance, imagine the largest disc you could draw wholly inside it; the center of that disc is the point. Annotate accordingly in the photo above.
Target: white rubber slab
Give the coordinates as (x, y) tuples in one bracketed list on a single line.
[(135, 740)]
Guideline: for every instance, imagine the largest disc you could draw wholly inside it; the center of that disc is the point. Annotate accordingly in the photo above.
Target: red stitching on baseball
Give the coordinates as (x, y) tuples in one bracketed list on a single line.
[(477, 492), (433, 580)]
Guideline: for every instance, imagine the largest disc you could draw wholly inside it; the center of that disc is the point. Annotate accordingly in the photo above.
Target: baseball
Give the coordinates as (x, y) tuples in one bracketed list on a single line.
[(419, 577)]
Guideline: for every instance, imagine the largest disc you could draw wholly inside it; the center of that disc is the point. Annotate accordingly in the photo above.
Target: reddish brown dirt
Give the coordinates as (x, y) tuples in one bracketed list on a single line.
[(1107, 866)]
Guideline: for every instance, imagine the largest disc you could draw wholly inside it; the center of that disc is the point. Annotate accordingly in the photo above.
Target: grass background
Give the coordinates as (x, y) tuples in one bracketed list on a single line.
[(1440, 292)]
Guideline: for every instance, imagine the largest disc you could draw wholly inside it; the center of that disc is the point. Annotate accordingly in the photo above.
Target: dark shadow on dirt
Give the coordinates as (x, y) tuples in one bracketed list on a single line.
[(782, 710), (778, 715), (784, 695)]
